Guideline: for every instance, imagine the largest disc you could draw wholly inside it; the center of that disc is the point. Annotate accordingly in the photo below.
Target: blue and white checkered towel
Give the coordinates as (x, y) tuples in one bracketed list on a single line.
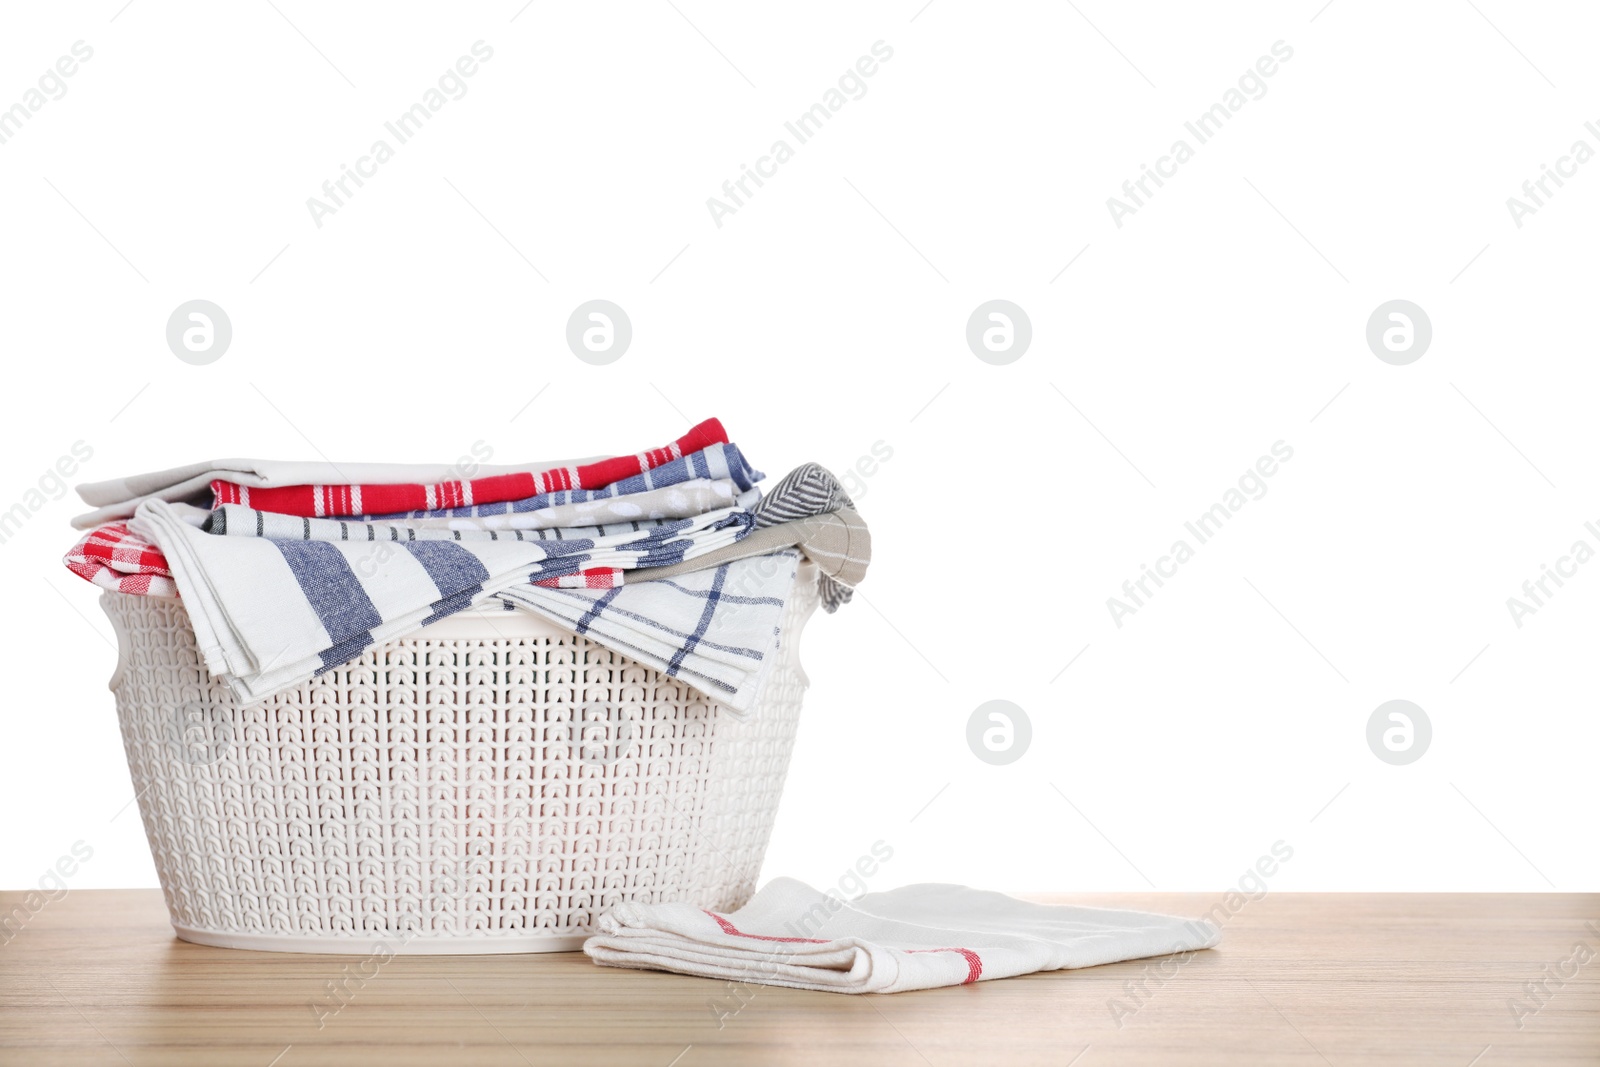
[(715, 628)]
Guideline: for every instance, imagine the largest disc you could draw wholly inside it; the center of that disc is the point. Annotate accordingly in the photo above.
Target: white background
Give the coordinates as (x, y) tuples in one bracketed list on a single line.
[(829, 314)]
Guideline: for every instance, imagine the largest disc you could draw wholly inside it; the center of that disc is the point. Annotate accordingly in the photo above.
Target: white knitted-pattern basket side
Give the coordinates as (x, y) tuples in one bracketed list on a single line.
[(430, 794)]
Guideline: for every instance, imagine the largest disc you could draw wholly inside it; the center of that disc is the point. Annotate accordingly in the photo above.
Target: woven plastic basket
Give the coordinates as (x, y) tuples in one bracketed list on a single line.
[(490, 784)]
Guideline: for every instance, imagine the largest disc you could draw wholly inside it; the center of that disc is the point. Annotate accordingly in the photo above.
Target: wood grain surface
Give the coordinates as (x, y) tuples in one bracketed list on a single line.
[(1455, 980)]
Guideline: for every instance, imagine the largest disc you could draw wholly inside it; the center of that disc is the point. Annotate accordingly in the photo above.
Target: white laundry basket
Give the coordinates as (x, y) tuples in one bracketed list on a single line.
[(492, 783)]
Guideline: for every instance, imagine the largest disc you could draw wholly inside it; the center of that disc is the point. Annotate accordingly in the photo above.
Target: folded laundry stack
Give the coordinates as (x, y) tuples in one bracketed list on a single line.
[(671, 556)]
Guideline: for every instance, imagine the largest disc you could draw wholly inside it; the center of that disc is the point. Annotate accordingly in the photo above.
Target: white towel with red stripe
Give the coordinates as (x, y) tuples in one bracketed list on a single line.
[(119, 498), (915, 937), (341, 490)]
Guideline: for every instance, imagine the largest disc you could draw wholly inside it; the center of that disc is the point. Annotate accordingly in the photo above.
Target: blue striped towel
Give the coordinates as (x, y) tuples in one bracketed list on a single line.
[(276, 599)]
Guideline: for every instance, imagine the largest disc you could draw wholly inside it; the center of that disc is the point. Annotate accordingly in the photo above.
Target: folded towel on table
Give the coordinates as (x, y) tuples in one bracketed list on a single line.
[(302, 488), (275, 600), (915, 937)]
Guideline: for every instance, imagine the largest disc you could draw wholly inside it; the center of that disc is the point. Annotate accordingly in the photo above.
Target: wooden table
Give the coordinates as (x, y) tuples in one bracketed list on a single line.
[(1319, 979)]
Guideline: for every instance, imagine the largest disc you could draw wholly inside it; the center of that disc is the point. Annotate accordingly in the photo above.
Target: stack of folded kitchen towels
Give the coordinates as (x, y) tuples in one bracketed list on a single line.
[(291, 569)]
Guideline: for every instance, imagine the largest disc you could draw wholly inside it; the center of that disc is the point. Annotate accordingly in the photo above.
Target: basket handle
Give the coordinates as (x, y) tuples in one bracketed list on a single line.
[(123, 642)]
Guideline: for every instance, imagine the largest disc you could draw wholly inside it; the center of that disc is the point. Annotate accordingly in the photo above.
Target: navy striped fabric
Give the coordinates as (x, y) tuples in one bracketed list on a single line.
[(458, 574), (715, 628), (335, 594)]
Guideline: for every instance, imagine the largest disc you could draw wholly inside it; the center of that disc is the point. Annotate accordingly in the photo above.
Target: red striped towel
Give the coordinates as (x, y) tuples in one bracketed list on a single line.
[(354, 500)]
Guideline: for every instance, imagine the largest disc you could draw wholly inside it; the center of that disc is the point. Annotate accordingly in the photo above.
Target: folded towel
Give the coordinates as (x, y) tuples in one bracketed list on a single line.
[(118, 498), (680, 501), (664, 625), (716, 628), (716, 462), (809, 489), (114, 557), (277, 600), (808, 508), (384, 499), (915, 937), (838, 542)]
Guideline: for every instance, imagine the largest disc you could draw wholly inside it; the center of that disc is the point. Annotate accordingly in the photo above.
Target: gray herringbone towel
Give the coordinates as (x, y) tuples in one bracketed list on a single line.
[(810, 489)]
